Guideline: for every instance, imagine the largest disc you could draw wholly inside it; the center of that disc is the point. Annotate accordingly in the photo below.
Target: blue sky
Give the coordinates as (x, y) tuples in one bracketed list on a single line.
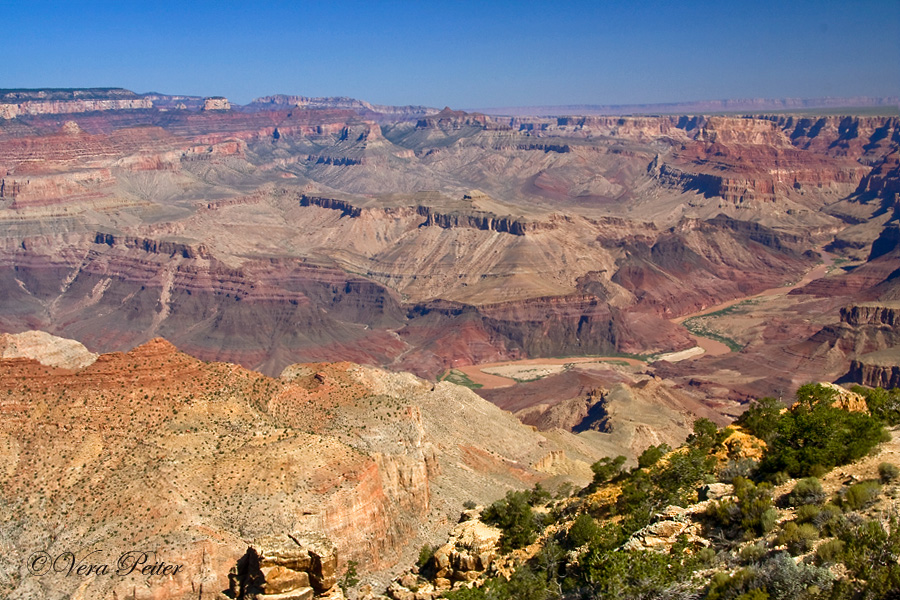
[(464, 54)]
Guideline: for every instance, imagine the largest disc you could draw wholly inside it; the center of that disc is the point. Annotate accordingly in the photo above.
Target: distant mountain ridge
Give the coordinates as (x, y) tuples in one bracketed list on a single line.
[(279, 101), (696, 107)]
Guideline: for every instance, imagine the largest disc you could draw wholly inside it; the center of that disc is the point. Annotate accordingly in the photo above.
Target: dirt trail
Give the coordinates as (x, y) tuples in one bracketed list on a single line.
[(717, 348)]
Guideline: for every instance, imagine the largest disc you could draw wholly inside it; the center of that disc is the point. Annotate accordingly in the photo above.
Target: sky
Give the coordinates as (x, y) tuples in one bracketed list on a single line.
[(464, 53)]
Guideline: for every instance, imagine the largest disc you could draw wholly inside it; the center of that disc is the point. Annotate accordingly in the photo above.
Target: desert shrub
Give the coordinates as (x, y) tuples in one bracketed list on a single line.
[(870, 554), (752, 553), (640, 574), (888, 472), (831, 521), (705, 556), (469, 504), (606, 469), (860, 495), (830, 552), (741, 467), (582, 531), (797, 538), (751, 515), (513, 515), (539, 496), (778, 576), (807, 491), (565, 490), (525, 584), (426, 552), (675, 482), (814, 433), (350, 578), (780, 478), (651, 455), (761, 417), (807, 513), (818, 471)]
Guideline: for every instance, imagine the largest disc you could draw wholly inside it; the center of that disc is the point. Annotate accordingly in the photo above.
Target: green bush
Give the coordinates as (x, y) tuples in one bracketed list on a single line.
[(778, 576), (583, 531), (752, 553), (639, 574), (830, 552), (525, 584), (807, 491), (761, 417), (706, 435), (426, 552), (888, 472), (751, 515), (606, 469), (814, 433), (860, 495), (651, 455), (513, 515), (797, 538), (539, 496), (870, 554), (807, 513), (675, 482)]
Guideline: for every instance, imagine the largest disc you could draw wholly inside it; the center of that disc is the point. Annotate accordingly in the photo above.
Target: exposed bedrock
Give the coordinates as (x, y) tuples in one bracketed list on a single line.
[(865, 330), (152, 246), (876, 370), (482, 220), (884, 179)]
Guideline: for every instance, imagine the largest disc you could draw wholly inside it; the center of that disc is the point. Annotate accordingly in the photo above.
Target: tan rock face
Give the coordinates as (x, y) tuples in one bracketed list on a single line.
[(469, 551), (216, 104), (47, 349), (285, 567)]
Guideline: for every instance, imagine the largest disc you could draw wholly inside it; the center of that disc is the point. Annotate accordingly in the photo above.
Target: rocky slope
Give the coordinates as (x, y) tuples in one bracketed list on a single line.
[(154, 450)]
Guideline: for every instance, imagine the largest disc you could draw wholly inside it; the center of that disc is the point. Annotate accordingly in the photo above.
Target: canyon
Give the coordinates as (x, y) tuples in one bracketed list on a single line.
[(264, 309)]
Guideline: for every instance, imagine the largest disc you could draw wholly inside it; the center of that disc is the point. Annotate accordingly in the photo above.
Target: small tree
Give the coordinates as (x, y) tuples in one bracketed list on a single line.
[(761, 417), (606, 469), (651, 455), (514, 516)]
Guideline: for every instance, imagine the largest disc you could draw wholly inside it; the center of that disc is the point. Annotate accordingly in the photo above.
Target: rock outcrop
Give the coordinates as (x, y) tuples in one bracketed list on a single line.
[(469, 551), (295, 566), (47, 349), (216, 103), (877, 369)]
